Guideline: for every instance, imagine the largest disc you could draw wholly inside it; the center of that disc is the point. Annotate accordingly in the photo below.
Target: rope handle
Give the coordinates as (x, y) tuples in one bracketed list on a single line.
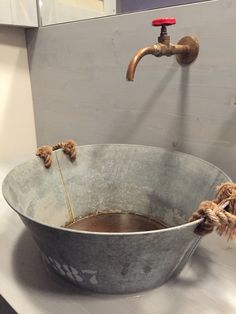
[(219, 214), (45, 151)]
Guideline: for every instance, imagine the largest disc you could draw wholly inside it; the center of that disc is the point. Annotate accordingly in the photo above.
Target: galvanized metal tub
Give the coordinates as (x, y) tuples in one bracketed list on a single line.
[(138, 179)]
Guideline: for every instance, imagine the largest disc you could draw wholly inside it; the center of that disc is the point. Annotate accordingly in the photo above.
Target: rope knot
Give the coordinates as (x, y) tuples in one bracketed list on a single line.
[(218, 214), (205, 210), (227, 192), (45, 152), (69, 148)]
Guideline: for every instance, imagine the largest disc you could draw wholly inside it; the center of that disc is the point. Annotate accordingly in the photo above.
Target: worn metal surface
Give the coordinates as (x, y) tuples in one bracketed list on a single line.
[(140, 179), (31, 288)]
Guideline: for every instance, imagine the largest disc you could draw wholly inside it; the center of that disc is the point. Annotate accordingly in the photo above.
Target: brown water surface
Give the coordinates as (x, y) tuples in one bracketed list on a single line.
[(116, 222)]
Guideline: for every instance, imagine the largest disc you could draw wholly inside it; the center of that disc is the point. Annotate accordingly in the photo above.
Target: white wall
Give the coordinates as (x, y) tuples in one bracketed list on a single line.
[(17, 129)]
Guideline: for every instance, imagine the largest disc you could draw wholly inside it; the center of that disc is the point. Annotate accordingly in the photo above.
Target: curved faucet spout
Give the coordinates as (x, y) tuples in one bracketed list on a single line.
[(150, 50)]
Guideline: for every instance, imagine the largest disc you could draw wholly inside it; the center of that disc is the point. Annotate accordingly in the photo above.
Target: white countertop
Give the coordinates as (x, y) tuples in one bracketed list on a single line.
[(207, 285)]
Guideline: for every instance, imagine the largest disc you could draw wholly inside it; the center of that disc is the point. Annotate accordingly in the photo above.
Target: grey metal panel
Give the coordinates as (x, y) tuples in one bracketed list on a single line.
[(79, 88)]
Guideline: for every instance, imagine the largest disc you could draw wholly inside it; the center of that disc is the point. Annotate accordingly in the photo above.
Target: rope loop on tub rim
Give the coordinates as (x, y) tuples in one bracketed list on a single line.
[(45, 151), (219, 214)]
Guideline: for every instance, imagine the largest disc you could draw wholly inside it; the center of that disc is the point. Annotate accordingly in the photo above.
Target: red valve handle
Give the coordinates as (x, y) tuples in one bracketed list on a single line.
[(164, 21)]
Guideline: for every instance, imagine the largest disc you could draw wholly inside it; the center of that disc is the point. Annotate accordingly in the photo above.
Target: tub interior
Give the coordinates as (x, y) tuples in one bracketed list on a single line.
[(150, 181)]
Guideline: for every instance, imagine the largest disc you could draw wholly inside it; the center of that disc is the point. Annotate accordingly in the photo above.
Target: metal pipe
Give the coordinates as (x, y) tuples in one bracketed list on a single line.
[(150, 50), (157, 50)]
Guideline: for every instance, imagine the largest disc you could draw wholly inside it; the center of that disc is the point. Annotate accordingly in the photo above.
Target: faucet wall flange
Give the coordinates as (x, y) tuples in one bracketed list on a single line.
[(191, 54)]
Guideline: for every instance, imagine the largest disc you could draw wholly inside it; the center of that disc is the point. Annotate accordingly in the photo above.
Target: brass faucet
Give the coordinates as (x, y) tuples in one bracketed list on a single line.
[(186, 50)]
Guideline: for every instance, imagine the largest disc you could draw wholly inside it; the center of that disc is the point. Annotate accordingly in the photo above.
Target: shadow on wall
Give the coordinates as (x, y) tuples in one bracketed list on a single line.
[(126, 134), (177, 129)]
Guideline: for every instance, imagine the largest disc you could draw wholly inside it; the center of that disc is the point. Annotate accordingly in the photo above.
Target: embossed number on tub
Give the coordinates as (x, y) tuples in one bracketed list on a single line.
[(72, 273)]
